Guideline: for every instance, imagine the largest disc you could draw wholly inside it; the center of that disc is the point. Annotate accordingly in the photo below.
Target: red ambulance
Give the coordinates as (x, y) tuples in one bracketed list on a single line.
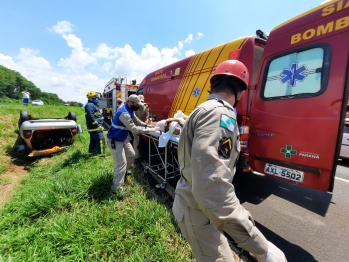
[(291, 117)]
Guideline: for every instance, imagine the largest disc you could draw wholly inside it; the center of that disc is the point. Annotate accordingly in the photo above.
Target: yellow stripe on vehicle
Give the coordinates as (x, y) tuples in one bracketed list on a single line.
[(197, 74), (180, 89)]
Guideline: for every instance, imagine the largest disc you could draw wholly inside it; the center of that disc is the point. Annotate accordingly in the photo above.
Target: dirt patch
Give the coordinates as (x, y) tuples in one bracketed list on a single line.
[(13, 177)]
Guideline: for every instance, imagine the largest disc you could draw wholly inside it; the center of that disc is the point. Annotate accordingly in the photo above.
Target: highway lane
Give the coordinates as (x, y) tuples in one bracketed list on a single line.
[(342, 169), (306, 224)]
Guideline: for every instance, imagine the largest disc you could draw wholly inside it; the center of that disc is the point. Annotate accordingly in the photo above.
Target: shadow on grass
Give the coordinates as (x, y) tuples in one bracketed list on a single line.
[(100, 188), (75, 158)]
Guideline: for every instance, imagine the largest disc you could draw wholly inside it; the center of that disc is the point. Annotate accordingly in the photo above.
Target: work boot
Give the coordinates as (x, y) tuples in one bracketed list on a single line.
[(120, 192)]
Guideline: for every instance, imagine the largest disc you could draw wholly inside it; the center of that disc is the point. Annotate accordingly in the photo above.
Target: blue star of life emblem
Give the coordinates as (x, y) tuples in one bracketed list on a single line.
[(196, 92), (293, 74)]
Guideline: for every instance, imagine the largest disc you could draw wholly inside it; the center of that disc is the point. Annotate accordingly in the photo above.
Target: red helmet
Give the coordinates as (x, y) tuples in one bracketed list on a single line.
[(232, 68)]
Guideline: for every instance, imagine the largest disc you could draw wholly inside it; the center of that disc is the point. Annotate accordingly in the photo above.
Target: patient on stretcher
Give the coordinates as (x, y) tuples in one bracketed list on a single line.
[(169, 127)]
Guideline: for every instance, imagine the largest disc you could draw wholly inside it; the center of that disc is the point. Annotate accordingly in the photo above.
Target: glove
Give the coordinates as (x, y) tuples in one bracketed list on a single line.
[(273, 254), (101, 128)]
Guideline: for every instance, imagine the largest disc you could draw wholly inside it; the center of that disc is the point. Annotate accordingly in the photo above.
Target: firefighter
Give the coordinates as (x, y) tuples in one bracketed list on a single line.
[(205, 205), (94, 121), (142, 114), (121, 149)]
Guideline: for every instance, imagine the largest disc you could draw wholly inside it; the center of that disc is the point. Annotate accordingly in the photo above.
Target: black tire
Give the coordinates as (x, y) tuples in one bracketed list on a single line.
[(23, 116), (71, 116)]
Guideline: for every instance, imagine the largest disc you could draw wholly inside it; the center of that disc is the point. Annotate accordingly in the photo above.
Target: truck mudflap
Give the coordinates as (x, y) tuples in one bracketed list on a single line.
[(161, 163)]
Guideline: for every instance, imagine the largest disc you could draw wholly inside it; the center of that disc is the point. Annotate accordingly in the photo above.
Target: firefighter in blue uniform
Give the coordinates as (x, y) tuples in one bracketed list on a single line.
[(121, 149), (94, 122)]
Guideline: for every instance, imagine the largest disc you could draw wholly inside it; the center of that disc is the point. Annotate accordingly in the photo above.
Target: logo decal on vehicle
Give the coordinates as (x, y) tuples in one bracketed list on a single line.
[(196, 92), (288, 151), (293, 74), (309, 155)]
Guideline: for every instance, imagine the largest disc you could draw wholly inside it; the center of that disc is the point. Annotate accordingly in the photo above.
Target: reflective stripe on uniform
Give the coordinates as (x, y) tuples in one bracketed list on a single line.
[(93, 130), (119, 127)]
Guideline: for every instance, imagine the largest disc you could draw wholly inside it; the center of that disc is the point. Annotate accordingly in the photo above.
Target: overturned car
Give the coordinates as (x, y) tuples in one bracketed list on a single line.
[(45, 136)]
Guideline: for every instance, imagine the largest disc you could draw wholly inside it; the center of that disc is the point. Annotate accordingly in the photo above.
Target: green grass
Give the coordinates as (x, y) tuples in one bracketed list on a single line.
[(63, 209)]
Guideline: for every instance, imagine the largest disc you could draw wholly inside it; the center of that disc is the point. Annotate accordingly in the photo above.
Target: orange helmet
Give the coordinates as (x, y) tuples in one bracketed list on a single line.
[(232, 68)]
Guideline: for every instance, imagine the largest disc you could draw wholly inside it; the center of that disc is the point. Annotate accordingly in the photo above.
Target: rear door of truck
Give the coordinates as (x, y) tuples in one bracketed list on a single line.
[(298, 111)]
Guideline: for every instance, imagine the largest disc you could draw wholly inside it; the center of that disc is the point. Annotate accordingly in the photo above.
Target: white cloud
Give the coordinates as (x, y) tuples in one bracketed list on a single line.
[(137, 66), (82, 70), (77, 61), (325, 1), (189, 39), (79, 58), (199, 35), (73, 41), (189, 53), (67, 85), (104, 51), (180, 45), (62, 27), (29, 58), (27, 62), (106, 66), (7, 61)]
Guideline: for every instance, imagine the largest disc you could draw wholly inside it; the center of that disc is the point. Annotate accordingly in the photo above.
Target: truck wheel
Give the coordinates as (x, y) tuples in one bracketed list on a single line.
[(23, 116), (72, 116)]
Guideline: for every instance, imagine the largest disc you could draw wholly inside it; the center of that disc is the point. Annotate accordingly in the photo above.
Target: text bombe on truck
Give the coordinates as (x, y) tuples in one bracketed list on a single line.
[(114, 89), (291, 117)]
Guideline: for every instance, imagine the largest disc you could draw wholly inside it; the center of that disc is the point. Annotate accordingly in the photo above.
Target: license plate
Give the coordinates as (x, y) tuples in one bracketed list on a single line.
[(284, 172)]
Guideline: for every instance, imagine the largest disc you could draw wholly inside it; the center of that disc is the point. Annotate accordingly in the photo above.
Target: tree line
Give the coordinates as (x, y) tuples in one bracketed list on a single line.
[(13, 83)]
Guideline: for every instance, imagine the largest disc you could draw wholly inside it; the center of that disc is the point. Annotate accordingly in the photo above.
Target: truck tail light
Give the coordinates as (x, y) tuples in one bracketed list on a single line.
[(27, 134), (244, 129), (74, 131)]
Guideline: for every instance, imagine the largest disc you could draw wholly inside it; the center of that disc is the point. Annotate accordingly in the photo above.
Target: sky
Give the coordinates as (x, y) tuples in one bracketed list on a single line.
[(69, 47)]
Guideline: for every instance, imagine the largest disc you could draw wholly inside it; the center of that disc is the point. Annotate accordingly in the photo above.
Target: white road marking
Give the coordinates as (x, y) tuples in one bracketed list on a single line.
[(342, 179)]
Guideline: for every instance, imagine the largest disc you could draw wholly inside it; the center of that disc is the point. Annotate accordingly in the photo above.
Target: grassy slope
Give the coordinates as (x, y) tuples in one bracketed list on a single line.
[(63, 209)]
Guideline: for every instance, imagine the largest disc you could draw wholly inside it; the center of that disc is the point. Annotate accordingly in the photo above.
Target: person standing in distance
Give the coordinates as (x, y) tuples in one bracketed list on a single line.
[(121, 149), (205, 205), (26, 96), (94, 121)]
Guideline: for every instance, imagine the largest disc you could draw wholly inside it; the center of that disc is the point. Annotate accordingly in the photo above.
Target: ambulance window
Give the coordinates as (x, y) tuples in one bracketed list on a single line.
[(295, 74), (140, 91)]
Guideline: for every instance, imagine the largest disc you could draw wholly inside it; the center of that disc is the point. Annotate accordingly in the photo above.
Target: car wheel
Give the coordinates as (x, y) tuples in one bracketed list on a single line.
[(23, 116), (71, 116)]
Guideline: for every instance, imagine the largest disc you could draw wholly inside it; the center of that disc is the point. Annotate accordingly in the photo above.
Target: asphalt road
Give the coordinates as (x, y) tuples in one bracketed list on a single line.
[(306, 224)]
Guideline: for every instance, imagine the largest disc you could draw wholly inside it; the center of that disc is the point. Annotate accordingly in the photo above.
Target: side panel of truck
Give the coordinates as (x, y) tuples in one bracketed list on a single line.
[(298, 111)]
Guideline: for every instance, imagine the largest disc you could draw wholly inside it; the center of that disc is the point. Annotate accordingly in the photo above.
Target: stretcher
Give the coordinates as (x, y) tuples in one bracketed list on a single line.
[(161, 162)]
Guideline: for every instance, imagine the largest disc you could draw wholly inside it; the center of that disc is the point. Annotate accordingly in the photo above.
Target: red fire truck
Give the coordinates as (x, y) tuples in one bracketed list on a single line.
[(116, 88), (292, 116)]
